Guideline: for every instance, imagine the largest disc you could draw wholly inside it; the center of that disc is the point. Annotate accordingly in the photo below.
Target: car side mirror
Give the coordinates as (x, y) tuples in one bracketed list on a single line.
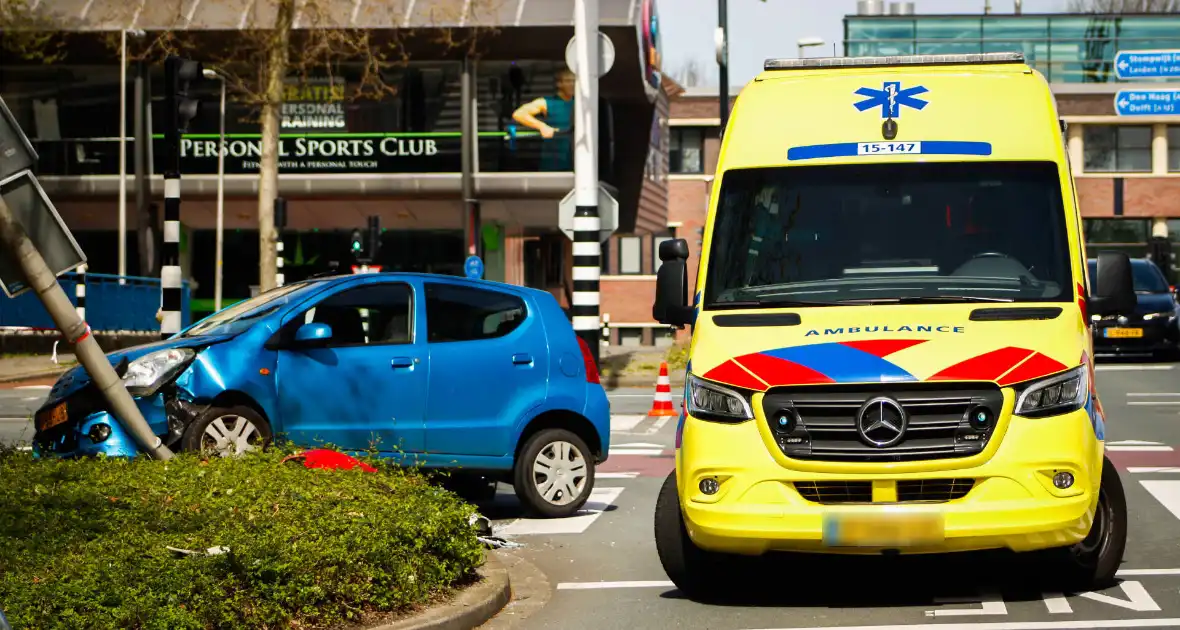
[(671, 304), (1114, 288), (312, 335)]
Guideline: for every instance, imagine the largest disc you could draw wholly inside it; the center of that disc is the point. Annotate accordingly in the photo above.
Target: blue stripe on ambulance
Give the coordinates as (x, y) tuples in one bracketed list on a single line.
[(927, 147)]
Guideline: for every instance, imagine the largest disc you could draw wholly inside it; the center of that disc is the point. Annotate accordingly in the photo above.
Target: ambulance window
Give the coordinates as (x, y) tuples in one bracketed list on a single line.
[(983, 231)]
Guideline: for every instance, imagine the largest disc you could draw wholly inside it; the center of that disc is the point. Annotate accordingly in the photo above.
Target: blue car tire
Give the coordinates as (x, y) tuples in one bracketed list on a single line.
[(227, 431), (554, 475)]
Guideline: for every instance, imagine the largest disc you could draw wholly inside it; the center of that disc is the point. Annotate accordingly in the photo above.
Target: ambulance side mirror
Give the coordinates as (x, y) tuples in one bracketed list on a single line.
[(671, 305), (1114, 288)]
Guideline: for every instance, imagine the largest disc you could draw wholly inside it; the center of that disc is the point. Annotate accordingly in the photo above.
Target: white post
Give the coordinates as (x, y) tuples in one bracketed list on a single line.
[(123, 156), (220, 203), (587, 224)]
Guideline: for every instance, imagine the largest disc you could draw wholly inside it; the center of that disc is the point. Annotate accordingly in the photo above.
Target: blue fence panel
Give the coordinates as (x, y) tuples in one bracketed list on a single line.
[(110, 305)]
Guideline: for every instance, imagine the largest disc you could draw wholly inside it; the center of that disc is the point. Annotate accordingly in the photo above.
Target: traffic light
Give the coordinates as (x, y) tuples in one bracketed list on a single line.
[(181, 75), (358, 245), (374, 236)]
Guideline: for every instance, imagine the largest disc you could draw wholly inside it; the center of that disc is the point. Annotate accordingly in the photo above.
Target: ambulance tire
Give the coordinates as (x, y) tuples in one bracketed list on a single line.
[(699, 574), (1092, 563), (566, 453)]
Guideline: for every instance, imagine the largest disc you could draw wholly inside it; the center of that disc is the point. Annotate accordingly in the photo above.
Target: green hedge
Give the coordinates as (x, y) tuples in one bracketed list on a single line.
[(83, 544)]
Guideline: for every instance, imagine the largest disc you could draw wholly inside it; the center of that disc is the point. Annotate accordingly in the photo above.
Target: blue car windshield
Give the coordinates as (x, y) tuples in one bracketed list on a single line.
[(241, 316)]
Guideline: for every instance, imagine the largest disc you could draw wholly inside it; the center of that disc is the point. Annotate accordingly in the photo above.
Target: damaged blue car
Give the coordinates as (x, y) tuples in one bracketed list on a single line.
[(431, 370)]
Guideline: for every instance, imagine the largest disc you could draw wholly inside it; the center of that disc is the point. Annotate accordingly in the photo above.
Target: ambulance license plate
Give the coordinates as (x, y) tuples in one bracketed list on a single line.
[(888, 148), (1124, 333), (883, 529), (52, 417)]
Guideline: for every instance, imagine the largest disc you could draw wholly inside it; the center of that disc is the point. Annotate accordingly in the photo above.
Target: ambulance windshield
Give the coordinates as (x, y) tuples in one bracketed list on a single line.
[(881, 233)]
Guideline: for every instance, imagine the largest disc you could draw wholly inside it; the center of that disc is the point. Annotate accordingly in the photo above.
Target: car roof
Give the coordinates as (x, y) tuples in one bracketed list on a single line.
[(338, 279)]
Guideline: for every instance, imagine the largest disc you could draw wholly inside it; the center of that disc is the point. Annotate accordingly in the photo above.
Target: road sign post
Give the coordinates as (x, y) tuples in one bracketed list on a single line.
[(608, 214), (1146, 102), (1147, 64), (29, 224)]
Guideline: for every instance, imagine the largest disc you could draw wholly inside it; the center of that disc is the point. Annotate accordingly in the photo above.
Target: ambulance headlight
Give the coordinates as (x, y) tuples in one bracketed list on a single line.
[(710, 401), (1054, 395)]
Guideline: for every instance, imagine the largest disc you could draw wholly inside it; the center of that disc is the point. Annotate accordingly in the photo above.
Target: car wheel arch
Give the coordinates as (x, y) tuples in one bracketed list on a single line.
[(561, 419), (236, 398)]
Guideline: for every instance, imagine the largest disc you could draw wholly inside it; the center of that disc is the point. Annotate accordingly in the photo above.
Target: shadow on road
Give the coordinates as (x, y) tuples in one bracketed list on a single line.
[(791, 580)]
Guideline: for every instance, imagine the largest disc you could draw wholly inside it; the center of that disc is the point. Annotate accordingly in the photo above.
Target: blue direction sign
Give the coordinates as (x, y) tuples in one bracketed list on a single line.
[(1147, 64), (1147, 102), (473, 266)]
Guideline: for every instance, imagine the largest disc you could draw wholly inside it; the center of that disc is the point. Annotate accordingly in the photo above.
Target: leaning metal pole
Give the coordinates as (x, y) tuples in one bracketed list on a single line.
[(86, 349)]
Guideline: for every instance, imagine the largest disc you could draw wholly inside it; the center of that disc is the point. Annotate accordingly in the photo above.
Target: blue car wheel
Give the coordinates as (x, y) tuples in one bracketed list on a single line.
[(554, 474), (228, 432)]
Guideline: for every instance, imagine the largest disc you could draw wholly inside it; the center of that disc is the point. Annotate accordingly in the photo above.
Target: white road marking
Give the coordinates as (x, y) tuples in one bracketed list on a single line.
[(990, 604), (25, 419), (625, 422), (1137, 600), (34, 387), (638, 451), (635, 445), (659, 424), (609, 395), (1166, 492), (1142, 572), (1155, 449), (600, 500), (1014, 625), (1154, 395), (1154, 403), (1136, 470), (616, 475), (589, 586), (1132, 368), (1134, 443), (1056, 603), (24, 448)]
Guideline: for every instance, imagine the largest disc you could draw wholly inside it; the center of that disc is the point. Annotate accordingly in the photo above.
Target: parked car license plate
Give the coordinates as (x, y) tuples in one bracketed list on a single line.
[(52, 417), (883, 529), (1123, 333)]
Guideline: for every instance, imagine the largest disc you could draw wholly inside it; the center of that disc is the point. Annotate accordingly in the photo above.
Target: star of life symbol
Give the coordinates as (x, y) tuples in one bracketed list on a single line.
[(891, 98)]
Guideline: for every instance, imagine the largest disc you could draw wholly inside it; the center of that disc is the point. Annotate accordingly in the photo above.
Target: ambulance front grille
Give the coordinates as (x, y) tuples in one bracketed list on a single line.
[(937, 414)]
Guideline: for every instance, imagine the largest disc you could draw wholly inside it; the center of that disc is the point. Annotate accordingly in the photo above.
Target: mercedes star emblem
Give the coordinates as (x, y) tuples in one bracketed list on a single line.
[(881, 422)]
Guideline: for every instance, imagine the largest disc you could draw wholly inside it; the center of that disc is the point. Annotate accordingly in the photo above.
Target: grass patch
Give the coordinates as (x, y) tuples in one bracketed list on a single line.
[(83, 543)]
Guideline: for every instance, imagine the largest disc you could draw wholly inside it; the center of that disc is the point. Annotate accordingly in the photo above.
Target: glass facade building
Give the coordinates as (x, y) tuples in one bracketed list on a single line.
[(1066, 48)]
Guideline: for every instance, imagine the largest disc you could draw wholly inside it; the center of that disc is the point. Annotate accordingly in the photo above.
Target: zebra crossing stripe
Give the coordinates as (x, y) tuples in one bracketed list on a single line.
[(600, 501)]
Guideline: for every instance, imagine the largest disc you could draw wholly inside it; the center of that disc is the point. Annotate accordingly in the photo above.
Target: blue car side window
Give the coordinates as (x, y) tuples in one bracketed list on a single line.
[(459, 313), (370, 314)]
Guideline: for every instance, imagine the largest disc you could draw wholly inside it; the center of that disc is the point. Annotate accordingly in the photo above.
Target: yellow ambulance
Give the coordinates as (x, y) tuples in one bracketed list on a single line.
[(891, 327)]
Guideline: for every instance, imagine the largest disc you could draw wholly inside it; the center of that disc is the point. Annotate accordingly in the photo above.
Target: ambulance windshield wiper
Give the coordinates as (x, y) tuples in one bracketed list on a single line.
[(771, 303), (951, 299)]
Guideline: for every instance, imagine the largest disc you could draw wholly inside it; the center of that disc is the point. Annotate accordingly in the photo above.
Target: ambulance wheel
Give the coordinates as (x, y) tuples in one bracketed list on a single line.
[(1092, 563), (699, 574), (554, 473)]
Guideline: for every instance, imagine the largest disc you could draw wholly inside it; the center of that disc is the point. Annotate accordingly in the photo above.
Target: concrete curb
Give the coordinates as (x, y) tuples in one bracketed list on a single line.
[(28, 376), (474, 605)]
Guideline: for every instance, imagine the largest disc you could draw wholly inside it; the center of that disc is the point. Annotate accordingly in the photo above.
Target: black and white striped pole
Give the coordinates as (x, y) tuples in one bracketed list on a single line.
[(179, 110), (80, 293), (587, 250), (280, 225)]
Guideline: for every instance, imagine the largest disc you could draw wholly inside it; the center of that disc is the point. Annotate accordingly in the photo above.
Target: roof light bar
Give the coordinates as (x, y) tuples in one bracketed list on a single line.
[(899, 60)]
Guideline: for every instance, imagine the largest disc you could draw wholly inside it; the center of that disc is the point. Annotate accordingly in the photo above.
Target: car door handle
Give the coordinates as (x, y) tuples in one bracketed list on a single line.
[(403, 362), (522, 359)]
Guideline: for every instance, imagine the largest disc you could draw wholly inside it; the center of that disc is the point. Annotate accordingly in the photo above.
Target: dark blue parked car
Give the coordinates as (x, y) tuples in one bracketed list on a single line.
[(435, 370), (1152, 328)]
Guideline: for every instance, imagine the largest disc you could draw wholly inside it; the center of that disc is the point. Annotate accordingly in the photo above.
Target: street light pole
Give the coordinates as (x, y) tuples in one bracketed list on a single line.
[(123, 156), (808, 42), (723, 59), (217, 275)]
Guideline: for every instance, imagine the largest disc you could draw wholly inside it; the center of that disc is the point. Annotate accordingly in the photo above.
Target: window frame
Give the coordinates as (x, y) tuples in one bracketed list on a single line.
[(677, 134), (1116, 148), (524, 302)]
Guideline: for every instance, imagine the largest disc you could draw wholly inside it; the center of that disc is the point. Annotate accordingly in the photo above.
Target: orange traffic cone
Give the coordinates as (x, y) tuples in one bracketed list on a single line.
[(662, 405)]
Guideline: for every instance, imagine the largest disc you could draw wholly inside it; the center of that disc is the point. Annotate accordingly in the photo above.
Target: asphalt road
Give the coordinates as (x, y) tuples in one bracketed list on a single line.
[(603, 572)]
